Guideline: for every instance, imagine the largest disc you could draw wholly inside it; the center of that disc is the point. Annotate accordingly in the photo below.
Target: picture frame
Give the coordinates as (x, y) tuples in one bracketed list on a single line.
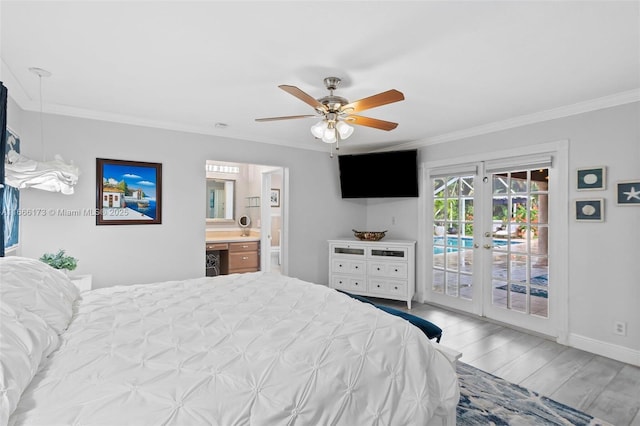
[(128, 192), (589, 210), (591, 178), (628, 193), (274, 197)]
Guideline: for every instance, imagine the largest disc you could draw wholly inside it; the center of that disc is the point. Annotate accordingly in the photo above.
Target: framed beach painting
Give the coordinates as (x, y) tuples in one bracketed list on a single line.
[(628, 193), (590, 210), (592, 178), (128, 192)]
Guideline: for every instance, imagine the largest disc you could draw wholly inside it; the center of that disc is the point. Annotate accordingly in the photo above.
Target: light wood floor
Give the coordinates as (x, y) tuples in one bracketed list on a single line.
[(602, 387)]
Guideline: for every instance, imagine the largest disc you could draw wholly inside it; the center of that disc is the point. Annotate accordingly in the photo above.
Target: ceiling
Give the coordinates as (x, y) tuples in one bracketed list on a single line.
[(465, 68)]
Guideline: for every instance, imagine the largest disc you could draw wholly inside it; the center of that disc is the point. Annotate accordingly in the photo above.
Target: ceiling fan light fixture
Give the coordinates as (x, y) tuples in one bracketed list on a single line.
[(318, 129), (344, 129), (335, 112), (329, 135)]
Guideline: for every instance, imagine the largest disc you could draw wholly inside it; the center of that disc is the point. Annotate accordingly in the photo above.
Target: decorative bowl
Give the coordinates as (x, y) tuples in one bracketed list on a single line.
[(369, 235)]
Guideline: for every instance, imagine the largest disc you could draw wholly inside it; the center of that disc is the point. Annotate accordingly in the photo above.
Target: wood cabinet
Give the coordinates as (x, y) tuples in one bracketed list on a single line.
[(384, 269), (241, 257)]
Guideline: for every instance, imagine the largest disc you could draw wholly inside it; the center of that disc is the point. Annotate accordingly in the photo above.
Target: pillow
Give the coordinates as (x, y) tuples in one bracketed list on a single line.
[(34, 286), (25, 340)]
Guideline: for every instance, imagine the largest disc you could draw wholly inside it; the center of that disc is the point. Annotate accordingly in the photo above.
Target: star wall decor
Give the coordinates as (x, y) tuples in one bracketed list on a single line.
[(628, 193)]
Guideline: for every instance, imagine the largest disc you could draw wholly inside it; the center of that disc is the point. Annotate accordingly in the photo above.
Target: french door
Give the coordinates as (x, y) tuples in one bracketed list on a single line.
[(491, 235)]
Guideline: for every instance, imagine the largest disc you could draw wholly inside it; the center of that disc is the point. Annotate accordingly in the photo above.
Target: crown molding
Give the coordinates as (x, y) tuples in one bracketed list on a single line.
[(609, 101)]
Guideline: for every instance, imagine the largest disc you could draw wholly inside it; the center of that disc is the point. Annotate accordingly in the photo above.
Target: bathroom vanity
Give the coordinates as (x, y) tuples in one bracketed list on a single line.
[(230, 253)]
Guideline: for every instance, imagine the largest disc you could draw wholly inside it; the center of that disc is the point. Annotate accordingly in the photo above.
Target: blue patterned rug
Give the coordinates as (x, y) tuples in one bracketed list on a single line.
[(486, 399)]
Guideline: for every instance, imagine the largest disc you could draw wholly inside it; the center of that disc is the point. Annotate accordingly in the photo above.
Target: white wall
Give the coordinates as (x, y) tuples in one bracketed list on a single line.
[(127, 254), (604, 258)]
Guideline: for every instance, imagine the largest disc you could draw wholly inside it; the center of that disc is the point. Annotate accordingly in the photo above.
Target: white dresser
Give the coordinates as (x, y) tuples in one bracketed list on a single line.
[(384, 269)]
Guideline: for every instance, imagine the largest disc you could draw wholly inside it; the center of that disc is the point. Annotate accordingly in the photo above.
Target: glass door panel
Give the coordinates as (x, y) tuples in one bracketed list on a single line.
[(519, 249), (453, 243)]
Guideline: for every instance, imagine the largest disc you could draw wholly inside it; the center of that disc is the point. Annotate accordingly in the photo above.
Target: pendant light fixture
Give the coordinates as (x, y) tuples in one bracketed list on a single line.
[(54, 175)]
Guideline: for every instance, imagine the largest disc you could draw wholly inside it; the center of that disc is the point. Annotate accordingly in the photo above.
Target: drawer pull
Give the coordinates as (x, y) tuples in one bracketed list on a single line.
[(378, 269), (396, 287), (396, 269), (245, 258), (357, 284), (378, 285)]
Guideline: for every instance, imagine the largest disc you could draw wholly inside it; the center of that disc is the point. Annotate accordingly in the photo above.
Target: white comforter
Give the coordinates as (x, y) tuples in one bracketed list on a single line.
[(250, 349)]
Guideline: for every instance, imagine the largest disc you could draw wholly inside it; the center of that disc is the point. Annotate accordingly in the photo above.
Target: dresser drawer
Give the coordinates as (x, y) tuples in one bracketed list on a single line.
[(348, 283), (217, 246), (248, 260), (390, 253), (388, 269), (348, 250), (245, 246), (342, 266), (387, 287)]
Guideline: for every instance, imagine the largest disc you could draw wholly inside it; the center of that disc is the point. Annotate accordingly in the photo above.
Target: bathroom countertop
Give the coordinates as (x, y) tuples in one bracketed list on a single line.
[(229, 236)]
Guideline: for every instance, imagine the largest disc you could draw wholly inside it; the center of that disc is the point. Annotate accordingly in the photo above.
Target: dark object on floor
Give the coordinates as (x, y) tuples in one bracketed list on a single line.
[(431, 330), (486, 399)]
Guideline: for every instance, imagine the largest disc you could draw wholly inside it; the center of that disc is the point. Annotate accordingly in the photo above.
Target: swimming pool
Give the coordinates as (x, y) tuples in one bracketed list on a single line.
[(452, 243)]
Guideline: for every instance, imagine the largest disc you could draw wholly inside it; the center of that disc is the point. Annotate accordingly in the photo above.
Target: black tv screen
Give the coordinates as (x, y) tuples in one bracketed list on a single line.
[(379, 175)]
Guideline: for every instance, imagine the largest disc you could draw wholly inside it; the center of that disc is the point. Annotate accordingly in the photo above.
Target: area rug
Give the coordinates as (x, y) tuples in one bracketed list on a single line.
[(539, 280), (486, 399)]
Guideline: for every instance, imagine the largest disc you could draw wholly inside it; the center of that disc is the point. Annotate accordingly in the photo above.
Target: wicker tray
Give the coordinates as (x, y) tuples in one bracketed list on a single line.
[(369, 235)]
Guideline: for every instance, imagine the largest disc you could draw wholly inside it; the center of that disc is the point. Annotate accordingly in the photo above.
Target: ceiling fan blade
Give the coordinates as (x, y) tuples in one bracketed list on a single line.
[(287, 117), (370, 122), (383, 98), (304, 97)]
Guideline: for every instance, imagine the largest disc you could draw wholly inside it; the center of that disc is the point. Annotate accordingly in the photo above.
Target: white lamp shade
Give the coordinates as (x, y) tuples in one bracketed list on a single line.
[(318, 129), (344, 129), (329, 135)]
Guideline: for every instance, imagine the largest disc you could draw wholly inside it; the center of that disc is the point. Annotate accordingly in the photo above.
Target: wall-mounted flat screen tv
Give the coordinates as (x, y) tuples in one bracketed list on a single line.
[(379, 175)]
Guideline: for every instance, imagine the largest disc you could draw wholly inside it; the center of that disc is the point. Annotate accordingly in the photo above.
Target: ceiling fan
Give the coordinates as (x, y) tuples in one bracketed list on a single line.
[(337, 112)]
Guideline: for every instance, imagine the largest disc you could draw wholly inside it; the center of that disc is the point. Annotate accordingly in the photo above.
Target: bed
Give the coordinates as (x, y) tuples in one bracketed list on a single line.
[(242, 349)]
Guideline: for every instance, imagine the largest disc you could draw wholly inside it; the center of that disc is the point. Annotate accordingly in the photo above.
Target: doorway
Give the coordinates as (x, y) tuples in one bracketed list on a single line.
[(272, 213), (492, 240), (249, 192)]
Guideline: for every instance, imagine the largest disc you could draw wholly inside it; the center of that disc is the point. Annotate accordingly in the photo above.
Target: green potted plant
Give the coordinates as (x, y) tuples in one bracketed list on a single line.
[(60, 261)]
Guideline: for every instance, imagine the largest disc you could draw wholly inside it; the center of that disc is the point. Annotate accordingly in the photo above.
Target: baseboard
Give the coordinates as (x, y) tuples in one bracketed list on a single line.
[(609, 350)]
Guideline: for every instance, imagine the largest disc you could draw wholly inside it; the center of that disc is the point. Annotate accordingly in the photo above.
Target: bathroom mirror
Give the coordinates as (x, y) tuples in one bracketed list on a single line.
[(220, 200)]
